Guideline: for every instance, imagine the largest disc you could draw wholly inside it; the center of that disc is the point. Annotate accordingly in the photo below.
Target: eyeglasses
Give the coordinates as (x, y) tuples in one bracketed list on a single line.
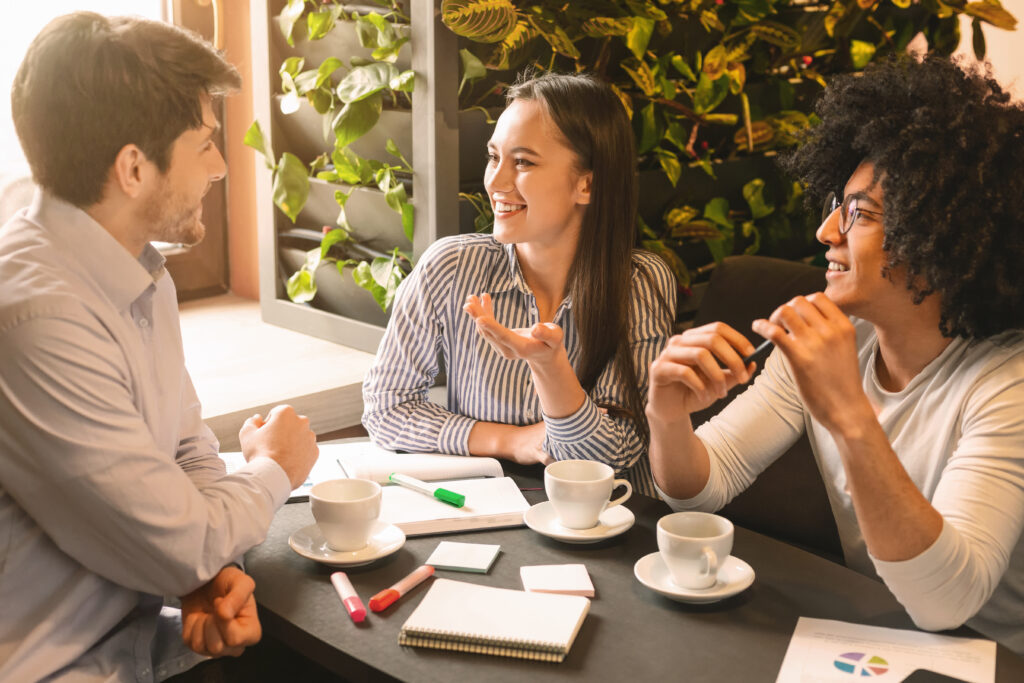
[(849, 212)]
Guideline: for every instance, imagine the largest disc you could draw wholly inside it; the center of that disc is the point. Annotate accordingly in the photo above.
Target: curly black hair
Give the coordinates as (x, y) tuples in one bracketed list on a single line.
[(948, 144)]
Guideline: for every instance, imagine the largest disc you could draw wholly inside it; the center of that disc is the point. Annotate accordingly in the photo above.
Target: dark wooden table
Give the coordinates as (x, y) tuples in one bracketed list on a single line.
[(631, 632)]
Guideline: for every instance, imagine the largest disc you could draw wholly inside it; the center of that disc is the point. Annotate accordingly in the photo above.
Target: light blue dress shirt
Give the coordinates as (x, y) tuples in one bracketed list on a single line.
[(111, 491)]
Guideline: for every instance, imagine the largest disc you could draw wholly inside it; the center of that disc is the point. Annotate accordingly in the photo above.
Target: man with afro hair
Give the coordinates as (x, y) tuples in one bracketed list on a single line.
[(907, 372)]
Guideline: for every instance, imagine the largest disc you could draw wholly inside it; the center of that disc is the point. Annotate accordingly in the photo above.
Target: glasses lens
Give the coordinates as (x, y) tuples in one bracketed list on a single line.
[(831, 203)]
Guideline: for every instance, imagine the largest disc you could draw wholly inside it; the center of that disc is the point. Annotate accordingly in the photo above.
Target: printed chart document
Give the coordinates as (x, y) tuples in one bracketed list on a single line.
[(364, 460), (826, 650)]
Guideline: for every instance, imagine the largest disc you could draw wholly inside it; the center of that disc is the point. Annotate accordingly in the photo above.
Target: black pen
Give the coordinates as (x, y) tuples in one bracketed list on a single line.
[(764, 348)]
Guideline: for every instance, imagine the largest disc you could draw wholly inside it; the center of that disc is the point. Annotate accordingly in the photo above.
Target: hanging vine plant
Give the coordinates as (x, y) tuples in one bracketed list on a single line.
[(350, 99)]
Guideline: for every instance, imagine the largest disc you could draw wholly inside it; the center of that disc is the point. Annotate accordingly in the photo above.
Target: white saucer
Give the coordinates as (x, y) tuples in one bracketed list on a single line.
[(734, 576), (384, 540), (612, 522)]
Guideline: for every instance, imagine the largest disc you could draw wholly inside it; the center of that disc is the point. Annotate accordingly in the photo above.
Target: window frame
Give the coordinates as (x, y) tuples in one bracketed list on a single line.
[(202, 269)]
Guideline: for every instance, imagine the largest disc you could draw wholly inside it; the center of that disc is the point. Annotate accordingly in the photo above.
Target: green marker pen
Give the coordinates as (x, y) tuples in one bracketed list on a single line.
[(443, 495)]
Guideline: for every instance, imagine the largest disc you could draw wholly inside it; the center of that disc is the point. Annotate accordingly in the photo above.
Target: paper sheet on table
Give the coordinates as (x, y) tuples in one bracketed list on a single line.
[(824, 650), (364, 460)]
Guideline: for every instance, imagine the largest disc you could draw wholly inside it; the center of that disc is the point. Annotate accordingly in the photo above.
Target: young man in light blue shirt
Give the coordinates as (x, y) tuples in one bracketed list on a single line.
[(111, 491)]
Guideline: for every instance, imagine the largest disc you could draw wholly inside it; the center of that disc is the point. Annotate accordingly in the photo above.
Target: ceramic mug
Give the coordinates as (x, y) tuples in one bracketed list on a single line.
[(693, 546), (345, 510), (579, 491)]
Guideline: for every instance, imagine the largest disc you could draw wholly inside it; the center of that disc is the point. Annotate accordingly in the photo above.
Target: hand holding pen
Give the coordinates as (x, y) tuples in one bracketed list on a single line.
[(697, 368)]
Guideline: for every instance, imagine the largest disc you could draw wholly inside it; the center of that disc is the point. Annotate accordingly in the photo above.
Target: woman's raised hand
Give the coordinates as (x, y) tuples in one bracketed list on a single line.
[(537, 344)]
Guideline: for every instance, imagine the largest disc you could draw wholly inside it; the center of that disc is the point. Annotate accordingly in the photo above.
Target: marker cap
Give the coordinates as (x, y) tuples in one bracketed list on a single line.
[(450, 497), (355, 609), (381, 601)]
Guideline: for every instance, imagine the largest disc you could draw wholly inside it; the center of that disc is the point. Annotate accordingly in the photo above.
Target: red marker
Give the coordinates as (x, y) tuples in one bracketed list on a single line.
[(349, 598), (381, 601)]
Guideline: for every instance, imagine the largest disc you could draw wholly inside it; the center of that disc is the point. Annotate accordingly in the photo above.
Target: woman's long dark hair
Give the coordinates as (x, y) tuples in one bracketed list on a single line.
[(594, 124)]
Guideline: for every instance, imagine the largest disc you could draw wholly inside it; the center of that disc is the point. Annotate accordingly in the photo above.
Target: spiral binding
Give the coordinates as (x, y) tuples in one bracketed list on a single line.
[(468, 642)]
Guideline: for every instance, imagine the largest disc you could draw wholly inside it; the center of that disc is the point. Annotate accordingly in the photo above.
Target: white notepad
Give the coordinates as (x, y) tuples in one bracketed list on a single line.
[(463, 557), (468, 617), (490, 503), (569, 579)]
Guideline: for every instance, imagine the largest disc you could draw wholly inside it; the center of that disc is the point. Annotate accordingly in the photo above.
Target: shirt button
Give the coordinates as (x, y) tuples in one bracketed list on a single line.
[(143, 322)]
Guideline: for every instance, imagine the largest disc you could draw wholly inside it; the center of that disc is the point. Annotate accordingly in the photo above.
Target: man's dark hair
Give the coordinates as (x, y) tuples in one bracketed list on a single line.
[(948, 145), (89, 85)]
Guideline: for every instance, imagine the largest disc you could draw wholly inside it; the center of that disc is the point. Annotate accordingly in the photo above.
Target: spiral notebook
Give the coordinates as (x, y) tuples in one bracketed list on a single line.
[(455, 615)]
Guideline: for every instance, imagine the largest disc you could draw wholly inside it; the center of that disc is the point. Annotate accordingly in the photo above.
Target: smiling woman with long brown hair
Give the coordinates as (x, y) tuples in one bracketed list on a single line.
[(546, 327)]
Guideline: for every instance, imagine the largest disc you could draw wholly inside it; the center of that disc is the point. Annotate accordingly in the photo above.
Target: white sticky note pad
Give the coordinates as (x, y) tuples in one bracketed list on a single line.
[(463, 557), (570, 579)]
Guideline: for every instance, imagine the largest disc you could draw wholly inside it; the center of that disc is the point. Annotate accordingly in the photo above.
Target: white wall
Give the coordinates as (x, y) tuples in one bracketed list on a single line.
[(1005, 49), (21, 22)]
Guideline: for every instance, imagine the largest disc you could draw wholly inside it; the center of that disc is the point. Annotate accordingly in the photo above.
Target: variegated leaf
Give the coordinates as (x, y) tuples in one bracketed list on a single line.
[(777, 34), (763, 133), (508, 50), (556, 37), (699, 229), (715, 62), (600, 27), (482, 21), (643, 77), (992, 12)]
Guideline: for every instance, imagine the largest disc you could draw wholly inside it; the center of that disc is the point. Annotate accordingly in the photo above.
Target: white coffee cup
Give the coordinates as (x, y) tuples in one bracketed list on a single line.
[(579, 491), (345, 510), (693, 546)]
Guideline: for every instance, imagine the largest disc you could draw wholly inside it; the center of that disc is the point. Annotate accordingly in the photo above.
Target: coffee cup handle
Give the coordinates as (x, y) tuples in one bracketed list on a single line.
[(624, 497), (711, 559)]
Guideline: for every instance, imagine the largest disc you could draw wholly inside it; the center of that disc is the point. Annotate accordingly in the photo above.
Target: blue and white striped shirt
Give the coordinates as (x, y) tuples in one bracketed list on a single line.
[(482, 386)]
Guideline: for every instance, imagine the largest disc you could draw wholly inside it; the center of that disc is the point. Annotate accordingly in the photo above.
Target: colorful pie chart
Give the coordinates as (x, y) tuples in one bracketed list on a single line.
[(861, 664)]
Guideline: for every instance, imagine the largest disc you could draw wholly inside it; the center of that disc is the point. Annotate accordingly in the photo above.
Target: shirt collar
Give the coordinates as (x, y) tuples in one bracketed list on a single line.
[(512, 277), (121, 276)]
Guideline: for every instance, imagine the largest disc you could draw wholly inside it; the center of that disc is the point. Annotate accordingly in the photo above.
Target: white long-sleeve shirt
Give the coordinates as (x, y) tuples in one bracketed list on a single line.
[(958, 430), (482, 386), (111, 491)]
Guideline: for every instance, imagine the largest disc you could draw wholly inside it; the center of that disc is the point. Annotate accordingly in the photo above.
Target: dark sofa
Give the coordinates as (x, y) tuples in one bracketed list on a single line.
[(788, 501)]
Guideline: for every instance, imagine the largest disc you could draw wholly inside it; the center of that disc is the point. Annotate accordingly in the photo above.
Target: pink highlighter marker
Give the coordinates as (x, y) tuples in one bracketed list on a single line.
[(353, 605), (381, 601)]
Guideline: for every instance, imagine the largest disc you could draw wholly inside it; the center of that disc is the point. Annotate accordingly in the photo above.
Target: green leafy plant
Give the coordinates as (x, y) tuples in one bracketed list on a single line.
[(709, 84), (350, 106), (484, 220)]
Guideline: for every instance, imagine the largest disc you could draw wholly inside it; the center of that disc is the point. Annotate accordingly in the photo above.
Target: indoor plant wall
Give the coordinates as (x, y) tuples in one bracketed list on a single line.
[(344, 124), (714, 88), (339, 112)]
